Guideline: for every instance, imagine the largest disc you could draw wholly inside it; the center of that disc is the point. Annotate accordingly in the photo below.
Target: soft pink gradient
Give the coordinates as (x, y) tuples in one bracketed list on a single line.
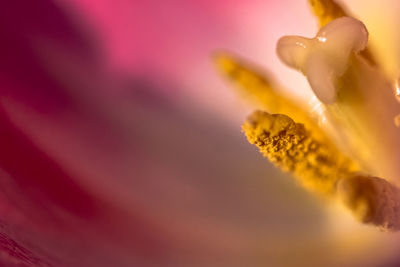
[(175, 39), (120, 146)]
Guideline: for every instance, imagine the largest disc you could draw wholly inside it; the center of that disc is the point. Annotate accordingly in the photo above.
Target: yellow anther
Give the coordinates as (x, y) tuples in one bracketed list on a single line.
[(326, 11), (318, 166), (259, 89), (254, 85)]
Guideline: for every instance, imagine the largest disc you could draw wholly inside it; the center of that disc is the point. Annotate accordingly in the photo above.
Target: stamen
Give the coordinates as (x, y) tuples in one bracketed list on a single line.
[(324, 58), (257, 86), (321, 168), (372, 200), (326, 10), (287, 144)]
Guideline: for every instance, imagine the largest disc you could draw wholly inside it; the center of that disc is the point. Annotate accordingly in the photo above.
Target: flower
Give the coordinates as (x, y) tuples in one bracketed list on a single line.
[(107, 161)]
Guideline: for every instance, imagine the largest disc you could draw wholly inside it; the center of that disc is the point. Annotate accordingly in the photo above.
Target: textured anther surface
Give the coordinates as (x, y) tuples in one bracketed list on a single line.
[(291, 147)]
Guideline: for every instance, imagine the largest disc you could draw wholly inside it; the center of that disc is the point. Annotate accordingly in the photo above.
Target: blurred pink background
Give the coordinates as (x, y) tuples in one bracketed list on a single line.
[(121, 145)]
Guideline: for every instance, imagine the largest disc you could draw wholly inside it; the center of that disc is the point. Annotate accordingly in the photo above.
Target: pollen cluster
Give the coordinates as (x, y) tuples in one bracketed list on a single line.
[(318, 166)]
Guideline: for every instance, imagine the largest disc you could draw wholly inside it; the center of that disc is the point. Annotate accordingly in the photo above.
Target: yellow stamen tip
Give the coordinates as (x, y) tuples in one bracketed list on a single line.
[(225, 62), (288, 145), (250, 79), (256, 86), (326, 10)]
